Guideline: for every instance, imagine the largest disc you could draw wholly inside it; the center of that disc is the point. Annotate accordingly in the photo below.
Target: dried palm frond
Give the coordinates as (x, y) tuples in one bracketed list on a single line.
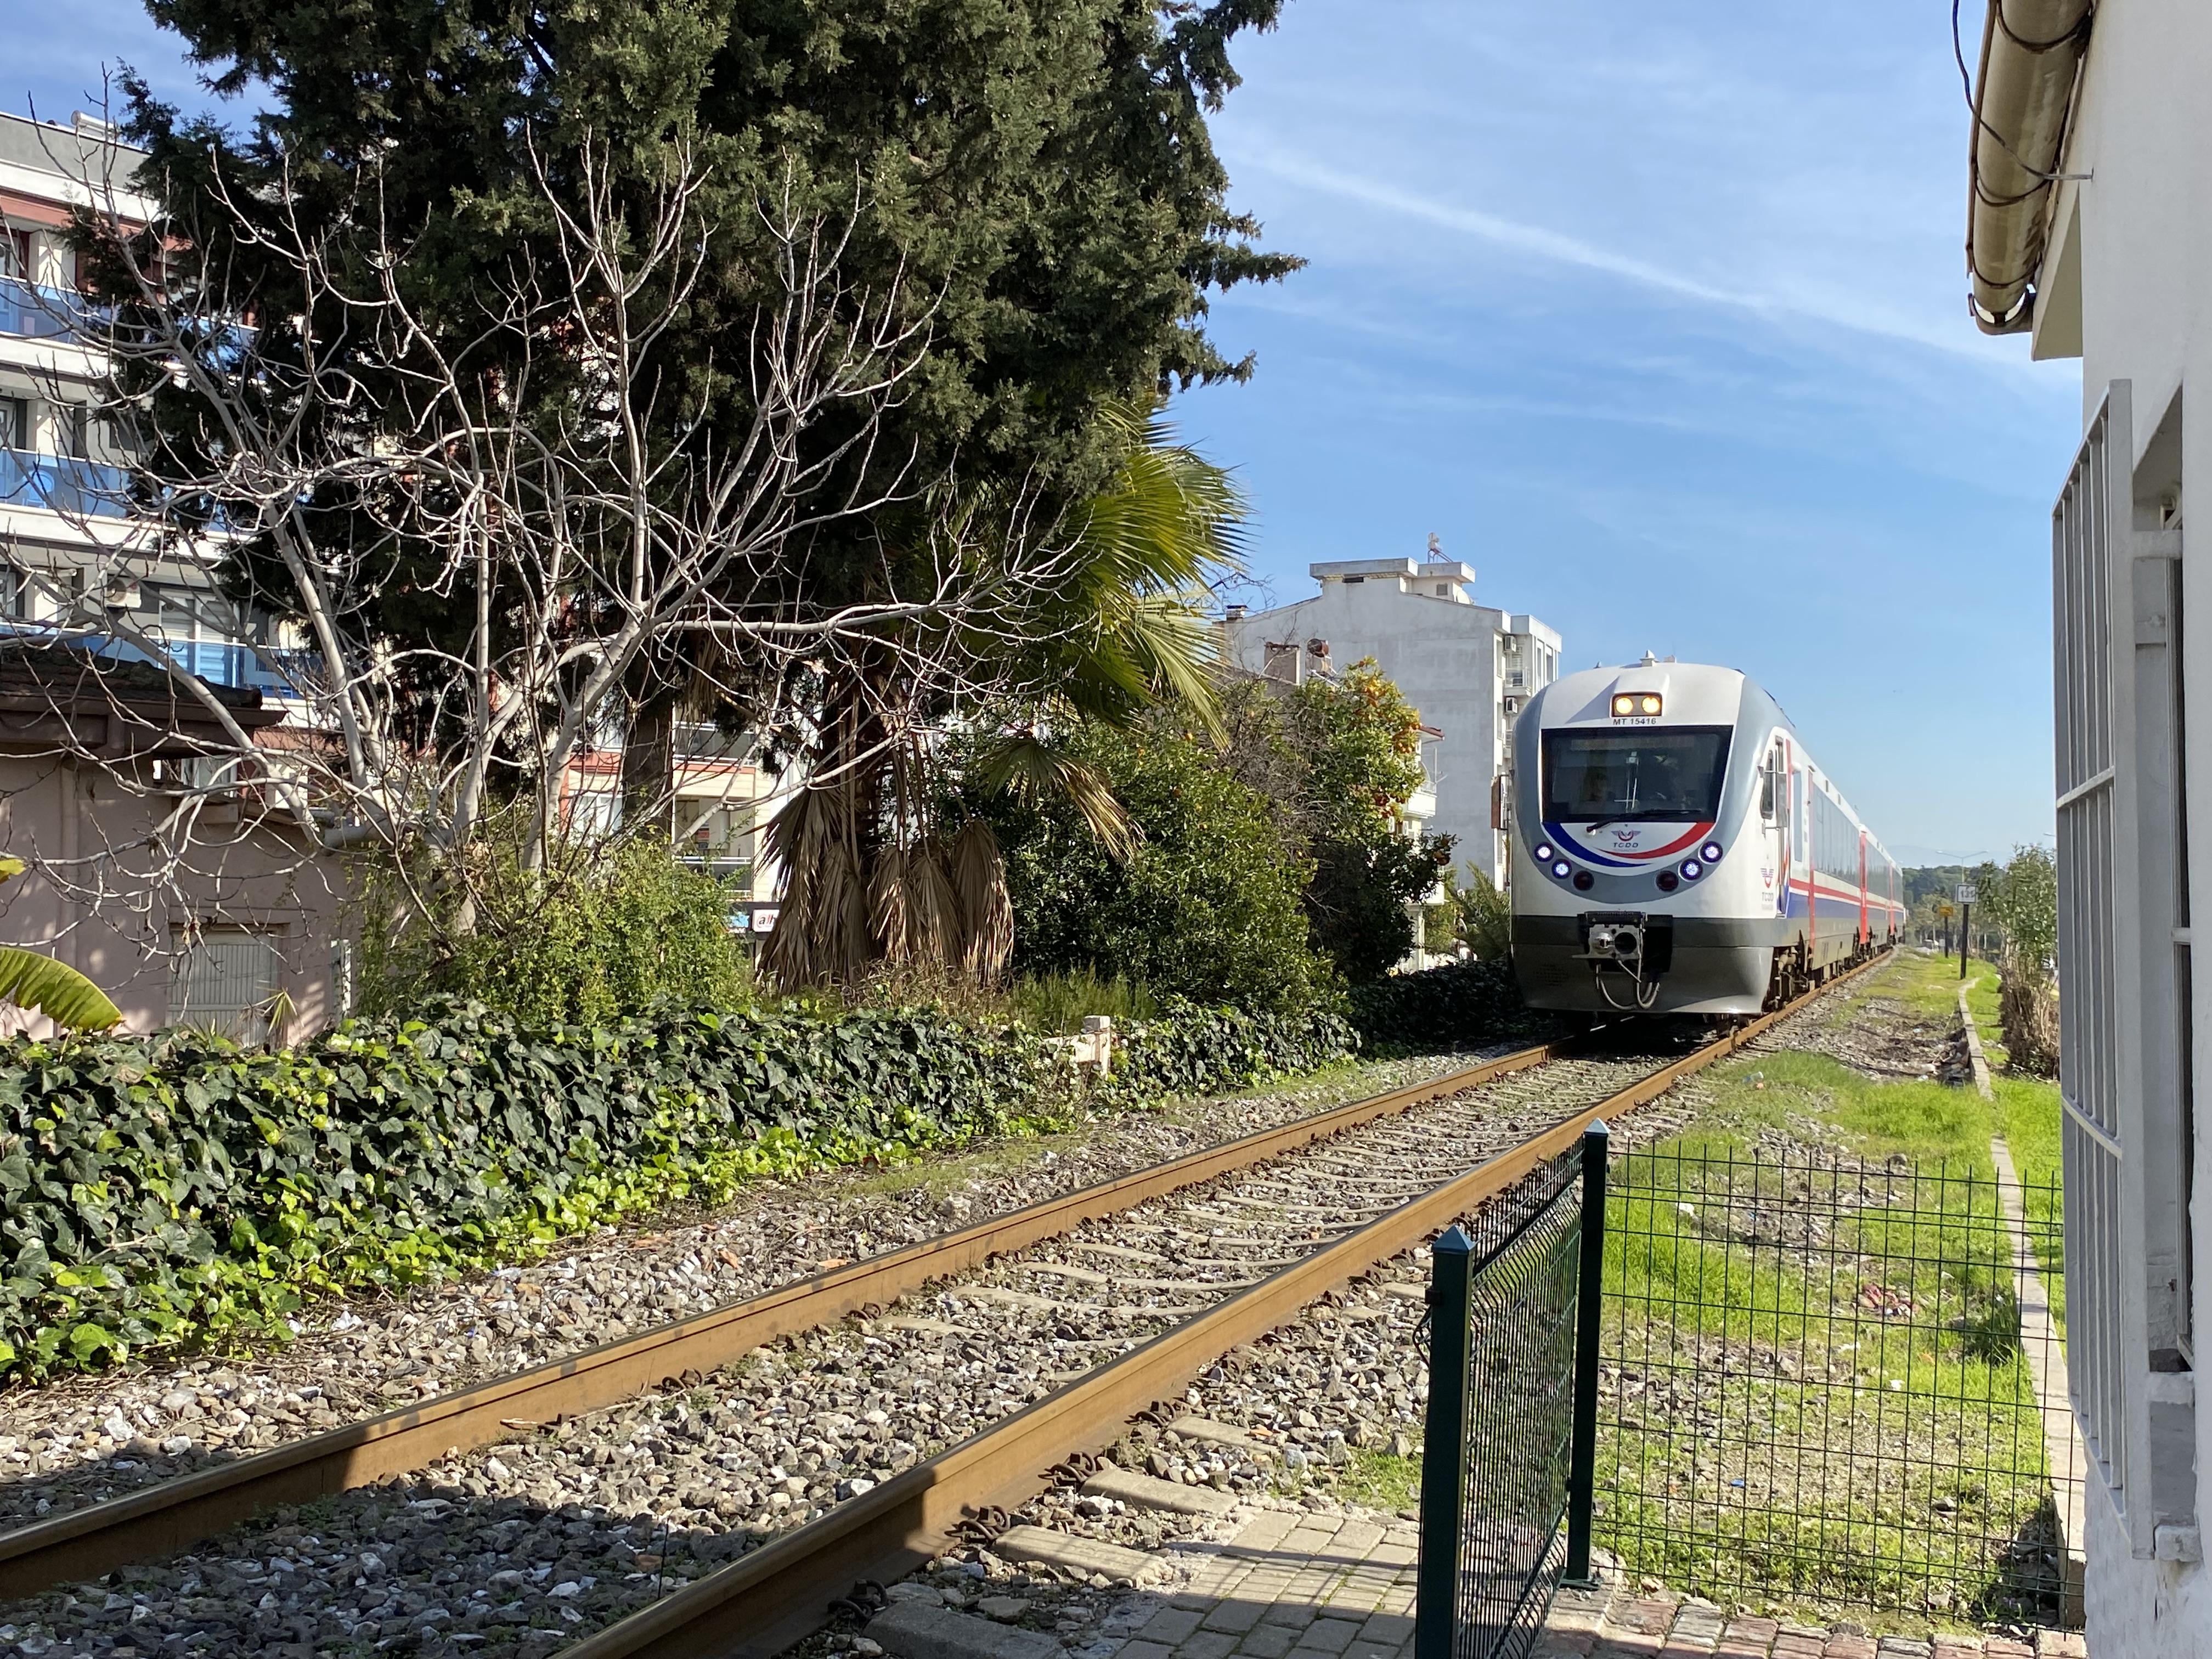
[(933, 913), (785, 954), (890, 912), (987, 909), (856, 939), (822, 931)]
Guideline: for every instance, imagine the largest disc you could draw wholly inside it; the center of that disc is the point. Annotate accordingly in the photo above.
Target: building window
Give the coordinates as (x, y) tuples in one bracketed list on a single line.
[(14, 423), (15, 253), (224, 980)]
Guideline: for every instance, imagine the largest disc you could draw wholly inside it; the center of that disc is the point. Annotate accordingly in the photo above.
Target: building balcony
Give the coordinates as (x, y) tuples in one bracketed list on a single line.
[(219, 662), (30, 311), (62, 484)]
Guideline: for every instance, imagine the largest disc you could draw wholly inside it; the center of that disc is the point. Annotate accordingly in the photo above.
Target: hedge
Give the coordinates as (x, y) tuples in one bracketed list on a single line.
[(1460, 1005), (154, 1191), (1194, 1050)]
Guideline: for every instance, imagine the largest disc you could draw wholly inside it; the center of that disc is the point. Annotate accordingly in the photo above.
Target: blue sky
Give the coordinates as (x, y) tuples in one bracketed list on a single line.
[(1659, 328), (1662, 330)]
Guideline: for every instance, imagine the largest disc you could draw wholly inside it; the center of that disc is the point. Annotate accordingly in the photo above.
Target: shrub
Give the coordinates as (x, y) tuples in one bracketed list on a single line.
[(2022, 899), (571, 946), (1460, 1005), (1207, 906), (1194, 1050), (1057, 1004)]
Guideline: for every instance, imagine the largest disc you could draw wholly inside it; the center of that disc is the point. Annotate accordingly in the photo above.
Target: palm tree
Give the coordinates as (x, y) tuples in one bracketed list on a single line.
[(871, 873)]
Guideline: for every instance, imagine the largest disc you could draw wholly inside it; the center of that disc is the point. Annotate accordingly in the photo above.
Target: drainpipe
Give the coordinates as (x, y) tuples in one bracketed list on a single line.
[(2023, 96)]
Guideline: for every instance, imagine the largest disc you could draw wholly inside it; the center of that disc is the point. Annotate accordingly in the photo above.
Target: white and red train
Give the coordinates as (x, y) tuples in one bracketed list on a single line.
[(1677, 850)]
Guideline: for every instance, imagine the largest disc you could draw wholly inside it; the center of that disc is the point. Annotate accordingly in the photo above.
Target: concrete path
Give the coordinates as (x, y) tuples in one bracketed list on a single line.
[(1296, 1584)]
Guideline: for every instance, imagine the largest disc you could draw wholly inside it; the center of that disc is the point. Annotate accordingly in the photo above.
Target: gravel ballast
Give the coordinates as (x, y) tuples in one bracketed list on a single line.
[(528, 1543), (87, 1438)]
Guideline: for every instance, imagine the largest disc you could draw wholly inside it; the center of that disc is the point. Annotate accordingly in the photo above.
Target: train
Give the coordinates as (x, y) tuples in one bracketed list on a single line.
[(1677, 850)]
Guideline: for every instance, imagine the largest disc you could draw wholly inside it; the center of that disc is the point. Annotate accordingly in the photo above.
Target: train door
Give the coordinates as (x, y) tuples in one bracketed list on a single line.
[(1803, 853), (1864, 935), (1774, 825)]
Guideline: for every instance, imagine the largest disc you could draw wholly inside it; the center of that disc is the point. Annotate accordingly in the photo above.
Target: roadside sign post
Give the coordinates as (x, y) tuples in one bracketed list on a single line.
[(1965, 923)]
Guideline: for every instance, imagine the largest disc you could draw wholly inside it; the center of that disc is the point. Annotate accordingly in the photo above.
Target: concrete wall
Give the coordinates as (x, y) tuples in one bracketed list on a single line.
[(2129, 280), (2140, 1609), (79, 827), (1444, 653)]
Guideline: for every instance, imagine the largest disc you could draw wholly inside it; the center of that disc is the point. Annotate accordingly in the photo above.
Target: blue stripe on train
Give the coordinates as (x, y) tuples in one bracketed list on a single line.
[(1831, 905)]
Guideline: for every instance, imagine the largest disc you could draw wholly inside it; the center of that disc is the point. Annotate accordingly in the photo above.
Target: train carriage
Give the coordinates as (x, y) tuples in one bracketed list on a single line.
[(1676, 849)]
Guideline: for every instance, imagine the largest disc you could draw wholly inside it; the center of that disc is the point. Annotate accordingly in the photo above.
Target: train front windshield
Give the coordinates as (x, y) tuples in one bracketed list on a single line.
[(1671, 773)]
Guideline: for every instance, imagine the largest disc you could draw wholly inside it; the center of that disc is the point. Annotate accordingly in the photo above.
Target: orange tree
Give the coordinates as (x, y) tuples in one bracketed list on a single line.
[(1340, 759)]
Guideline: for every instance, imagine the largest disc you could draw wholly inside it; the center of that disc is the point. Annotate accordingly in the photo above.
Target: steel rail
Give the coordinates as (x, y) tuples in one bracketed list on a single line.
[(175, 1514), (780, 1592)]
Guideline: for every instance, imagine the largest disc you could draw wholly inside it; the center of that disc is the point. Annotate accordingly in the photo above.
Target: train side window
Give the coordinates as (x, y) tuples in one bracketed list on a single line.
[(1772, 798)]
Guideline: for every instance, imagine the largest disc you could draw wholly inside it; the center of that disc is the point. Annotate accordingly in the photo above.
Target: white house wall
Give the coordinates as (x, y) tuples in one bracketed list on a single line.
[(2143, 130), (260, 880)]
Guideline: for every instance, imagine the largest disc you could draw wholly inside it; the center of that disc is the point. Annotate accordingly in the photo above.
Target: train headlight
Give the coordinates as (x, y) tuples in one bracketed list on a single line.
[(1562, 869), (1711, 851), (1543, 852), (1692, 869), (1626, 703)]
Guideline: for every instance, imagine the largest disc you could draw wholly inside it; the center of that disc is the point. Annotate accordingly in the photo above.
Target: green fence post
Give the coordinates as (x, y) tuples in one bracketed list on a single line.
[(1443, 1448), (1589, 1299)]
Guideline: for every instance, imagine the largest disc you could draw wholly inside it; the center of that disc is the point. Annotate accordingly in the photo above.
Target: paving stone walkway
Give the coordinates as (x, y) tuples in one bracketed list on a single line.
[(1613, 1622), (1294, 1584)]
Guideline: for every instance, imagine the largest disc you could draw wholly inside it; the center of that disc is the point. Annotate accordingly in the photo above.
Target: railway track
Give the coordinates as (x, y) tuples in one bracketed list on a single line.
[(837, 1430)]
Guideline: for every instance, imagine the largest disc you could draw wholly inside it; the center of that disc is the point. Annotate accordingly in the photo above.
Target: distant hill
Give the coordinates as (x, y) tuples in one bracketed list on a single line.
[(1946, 858)]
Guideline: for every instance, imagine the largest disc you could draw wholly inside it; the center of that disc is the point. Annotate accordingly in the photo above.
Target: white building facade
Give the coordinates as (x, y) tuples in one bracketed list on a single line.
[(2090, 227), (71, 554), (1467, 667)]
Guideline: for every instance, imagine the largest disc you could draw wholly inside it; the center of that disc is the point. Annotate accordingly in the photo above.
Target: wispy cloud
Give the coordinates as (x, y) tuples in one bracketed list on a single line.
[(1558, 247)]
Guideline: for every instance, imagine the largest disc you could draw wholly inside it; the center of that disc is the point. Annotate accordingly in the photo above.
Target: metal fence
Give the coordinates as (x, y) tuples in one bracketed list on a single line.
[(1500, 1451), (1831, 1381)]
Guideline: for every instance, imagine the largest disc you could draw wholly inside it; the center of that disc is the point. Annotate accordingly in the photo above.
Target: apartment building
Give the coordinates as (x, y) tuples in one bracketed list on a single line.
[(72, 552), (724, 800), (1468, 668), (2089, 213), (99, 744)]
